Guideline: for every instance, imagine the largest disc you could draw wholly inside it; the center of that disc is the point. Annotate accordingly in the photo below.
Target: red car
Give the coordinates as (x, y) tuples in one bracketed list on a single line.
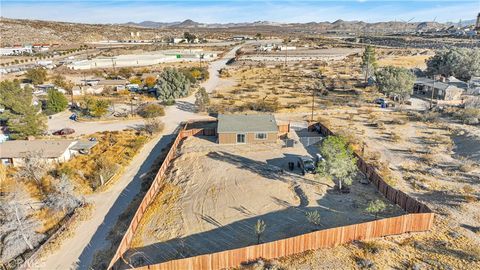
[(64, 131)]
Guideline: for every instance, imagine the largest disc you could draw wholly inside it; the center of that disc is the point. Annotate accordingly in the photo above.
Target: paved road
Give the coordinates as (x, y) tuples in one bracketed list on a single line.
[(90, 236)]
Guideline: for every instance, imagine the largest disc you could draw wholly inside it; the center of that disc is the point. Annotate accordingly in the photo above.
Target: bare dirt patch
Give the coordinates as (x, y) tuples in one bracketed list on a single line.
[(214, 194)]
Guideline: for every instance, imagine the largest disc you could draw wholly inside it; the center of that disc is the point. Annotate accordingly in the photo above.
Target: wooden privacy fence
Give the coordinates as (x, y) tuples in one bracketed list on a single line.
[(419, 218), (154, 188), (293, 245)]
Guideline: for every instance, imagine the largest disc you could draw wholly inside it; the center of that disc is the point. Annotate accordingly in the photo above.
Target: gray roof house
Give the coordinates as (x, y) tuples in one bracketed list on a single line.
[(441, 91), (246, 128)]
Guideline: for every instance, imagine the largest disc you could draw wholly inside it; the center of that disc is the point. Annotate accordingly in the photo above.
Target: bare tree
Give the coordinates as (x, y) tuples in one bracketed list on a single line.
[(34, 167), (17, 225), (64, 198)]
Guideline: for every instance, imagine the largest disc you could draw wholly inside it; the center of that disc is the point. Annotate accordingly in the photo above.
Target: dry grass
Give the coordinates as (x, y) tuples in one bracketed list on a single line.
[(113, 148), (160, 215), (81, 214)]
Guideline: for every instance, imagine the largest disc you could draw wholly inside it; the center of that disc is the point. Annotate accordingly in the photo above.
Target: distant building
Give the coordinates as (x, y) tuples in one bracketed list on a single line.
[(178, 40), (87, 90), (117, 85), (287, 48), (441, 91), (246, 129), (16, 50)]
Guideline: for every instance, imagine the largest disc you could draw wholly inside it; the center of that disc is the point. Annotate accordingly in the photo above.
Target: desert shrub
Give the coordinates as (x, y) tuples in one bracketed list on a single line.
[(151, 110), (313, 217), (153, 125), (468, 116), (371, 247), (263, 105)]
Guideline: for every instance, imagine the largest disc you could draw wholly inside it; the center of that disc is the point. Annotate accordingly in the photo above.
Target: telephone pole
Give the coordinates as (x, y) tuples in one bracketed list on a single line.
[(433, 91)]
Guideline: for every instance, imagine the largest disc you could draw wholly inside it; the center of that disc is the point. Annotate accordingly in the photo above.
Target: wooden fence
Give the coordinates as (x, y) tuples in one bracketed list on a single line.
[(154, 188), (419, 218), (293, 245)]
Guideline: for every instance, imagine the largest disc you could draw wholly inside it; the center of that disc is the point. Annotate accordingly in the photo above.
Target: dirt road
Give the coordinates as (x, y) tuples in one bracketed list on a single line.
[(90, 235)]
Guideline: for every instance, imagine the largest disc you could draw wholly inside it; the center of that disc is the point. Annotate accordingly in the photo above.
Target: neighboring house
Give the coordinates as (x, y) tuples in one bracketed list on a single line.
[(87, 90), (456, 82), (15, 50), (241, 129), (441, 91), (115, 84), (12, 153)]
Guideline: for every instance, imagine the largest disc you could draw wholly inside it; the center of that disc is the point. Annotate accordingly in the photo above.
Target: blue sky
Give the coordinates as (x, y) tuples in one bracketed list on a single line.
[(88, 11)]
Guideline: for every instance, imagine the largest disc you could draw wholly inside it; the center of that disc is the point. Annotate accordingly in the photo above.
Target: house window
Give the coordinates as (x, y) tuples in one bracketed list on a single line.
[(241, 138), (260, 136)]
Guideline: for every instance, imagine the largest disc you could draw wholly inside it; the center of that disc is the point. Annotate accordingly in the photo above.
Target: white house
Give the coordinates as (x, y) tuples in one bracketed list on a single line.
[(16, 50), (13, 153)]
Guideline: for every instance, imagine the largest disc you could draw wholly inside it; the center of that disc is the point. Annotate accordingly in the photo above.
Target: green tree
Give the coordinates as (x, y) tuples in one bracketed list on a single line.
[(369, 61), (97, 107), (56, 101), (202, 100), (36, 75), (376, 207), (259, 229), (339, 162), (395, 82), (462, 63), (189, 37), (172, 84), (151, 110), (22, 117)]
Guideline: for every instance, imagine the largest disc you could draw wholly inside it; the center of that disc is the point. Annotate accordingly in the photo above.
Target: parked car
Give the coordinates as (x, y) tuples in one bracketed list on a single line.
[(64, 131), (306, 164), (379, 101), (318, 158)]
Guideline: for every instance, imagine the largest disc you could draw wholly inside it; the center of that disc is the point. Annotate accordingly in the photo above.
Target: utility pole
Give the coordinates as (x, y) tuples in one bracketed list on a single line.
[(313, 102), (433, 91)]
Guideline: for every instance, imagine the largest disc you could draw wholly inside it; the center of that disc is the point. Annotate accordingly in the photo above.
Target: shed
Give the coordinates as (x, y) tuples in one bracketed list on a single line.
[(246, 129)]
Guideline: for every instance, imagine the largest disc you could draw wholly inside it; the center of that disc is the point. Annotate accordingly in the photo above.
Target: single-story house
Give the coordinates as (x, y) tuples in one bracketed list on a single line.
[(13, 153), (84, 90), (117, 85), (246, 129), (441, 91)]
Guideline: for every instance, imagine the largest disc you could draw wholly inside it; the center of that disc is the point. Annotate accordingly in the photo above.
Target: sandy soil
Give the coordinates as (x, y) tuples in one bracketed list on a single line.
[(216, 193), (421, 159)]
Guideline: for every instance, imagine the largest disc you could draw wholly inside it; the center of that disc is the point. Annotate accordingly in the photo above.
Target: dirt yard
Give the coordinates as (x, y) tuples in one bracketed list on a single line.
[(430, 157), (214, 195)]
